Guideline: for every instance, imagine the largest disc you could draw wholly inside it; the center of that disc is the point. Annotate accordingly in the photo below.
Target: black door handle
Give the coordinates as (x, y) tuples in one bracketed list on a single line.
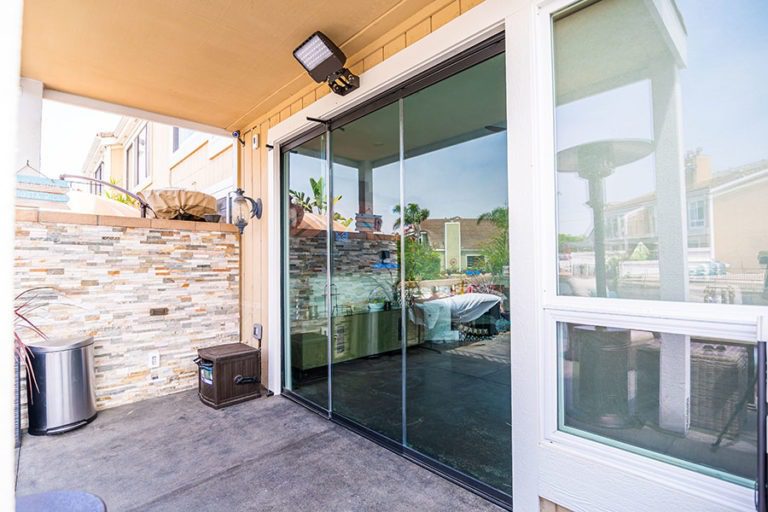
[(761, 491)]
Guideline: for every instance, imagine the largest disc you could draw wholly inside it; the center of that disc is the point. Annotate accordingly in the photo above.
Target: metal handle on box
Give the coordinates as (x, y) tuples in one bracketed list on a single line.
[(240, 380)]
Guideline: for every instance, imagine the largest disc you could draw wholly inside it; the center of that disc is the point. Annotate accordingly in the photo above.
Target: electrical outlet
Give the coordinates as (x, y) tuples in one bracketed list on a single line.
[(255, 141), (154, 359), (257, 331)]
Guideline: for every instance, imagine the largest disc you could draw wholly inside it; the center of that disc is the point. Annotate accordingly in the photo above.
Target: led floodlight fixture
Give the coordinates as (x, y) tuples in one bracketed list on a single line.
[(324, 62)]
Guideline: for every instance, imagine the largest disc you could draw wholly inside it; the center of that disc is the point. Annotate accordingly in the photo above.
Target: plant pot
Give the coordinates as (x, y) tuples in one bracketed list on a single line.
[(375, 306), (367, 222), (295, 215)]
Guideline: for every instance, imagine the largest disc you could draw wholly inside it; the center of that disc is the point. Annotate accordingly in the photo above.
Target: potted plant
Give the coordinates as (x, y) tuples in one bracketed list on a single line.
[(376, 303), (24, 304)]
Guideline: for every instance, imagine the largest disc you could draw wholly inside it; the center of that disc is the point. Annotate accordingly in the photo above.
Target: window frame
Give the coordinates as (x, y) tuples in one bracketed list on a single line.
[(133, 177), (130, 162), (96, 188), (179, 150), (143, 179), (696, 204), (563, 453)]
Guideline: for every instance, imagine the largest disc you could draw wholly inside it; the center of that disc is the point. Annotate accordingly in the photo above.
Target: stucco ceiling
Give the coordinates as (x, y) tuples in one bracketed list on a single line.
[(220, 62)]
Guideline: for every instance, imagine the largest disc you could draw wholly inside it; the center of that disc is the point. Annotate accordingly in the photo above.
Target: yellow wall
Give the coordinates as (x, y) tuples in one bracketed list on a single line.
[(253, 168), (159, 154), (116, 164), (741, 226)]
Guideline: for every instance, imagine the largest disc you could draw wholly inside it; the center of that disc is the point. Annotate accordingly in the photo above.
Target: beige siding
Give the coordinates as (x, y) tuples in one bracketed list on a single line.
[(741, 226), (200, 171)]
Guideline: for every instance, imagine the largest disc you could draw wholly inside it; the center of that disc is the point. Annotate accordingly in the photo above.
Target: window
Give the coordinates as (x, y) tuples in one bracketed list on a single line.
[(696, 214), (142, 160), (656, 134), (137, 159), (180, 135), (623, 387), (98, 174), (475, 262), (647, 129), (130, 163), (221, 207)]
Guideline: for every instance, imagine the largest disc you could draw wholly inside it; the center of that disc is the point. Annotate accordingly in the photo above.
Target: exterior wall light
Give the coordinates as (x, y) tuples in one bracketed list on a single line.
[(324, 62), (241, 204)]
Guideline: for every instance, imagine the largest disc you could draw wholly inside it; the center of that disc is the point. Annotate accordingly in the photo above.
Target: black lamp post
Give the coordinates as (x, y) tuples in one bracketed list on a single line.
[(242, 205), (595, 161)]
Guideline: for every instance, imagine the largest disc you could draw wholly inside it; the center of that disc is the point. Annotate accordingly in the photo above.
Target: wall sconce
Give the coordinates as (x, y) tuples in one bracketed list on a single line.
[(324, 62), (241, 204)]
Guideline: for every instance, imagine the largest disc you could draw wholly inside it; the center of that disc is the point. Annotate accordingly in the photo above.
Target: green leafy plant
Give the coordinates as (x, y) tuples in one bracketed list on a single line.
[(119, 196), (413, 216), (301, 199), (345, 221), (421, 261), (640, 253), (317, 202), (496, 250), (564, 241)]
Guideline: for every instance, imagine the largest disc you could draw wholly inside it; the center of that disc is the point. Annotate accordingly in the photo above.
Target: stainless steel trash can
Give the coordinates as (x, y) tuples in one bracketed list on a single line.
[(65, 397)]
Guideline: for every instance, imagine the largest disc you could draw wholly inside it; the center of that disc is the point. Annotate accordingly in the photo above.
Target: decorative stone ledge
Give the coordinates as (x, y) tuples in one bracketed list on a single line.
[(64, 217)]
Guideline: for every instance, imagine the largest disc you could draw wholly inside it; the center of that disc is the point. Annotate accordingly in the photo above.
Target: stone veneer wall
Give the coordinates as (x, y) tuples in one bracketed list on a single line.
[(354, 274), (110, 272)]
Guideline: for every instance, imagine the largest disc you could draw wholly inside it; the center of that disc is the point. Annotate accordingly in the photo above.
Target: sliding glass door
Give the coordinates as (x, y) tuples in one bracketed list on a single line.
[(365, 273), (456, 273), (305, 249), (396, 270)]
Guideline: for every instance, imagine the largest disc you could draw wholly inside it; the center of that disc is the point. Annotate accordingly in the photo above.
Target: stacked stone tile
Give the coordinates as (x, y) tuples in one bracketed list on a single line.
[(355, 273), (110, 272)]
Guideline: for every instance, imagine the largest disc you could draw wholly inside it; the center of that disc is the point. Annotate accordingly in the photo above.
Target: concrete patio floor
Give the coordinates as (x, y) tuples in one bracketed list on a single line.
[(173, 453)]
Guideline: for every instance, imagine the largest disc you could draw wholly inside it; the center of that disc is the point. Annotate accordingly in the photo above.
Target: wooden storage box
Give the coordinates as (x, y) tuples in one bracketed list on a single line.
[(228, 374)]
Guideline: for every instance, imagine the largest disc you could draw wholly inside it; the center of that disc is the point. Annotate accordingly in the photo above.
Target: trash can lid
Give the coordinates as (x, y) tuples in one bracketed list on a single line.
[(58, 345), (226, 351)]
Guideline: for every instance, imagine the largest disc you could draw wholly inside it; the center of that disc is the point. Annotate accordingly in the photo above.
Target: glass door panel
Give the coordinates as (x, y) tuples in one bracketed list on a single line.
[(306, 264), (365, 273), (456, 274)]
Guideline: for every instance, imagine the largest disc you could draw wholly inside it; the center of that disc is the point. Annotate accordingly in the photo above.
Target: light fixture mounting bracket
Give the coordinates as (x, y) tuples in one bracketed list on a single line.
[(343, 81)]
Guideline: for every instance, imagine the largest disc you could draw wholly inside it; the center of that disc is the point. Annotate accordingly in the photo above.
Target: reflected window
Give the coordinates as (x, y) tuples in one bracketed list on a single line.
[(696, 214), (662, 167)]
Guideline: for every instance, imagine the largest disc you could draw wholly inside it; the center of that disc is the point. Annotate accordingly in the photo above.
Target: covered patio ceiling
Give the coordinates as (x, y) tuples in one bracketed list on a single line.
[(221, 63)]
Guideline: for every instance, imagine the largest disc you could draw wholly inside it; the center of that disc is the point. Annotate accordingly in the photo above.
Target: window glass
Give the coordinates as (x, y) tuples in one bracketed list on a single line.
[(98, 174), (682, 399), (456, 269), (180, 135), (662, 166), (305, 251), (130, 162), (142, 167)]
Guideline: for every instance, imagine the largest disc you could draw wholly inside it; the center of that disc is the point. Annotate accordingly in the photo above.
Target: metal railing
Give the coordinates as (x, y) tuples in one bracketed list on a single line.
[(85, 179)]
